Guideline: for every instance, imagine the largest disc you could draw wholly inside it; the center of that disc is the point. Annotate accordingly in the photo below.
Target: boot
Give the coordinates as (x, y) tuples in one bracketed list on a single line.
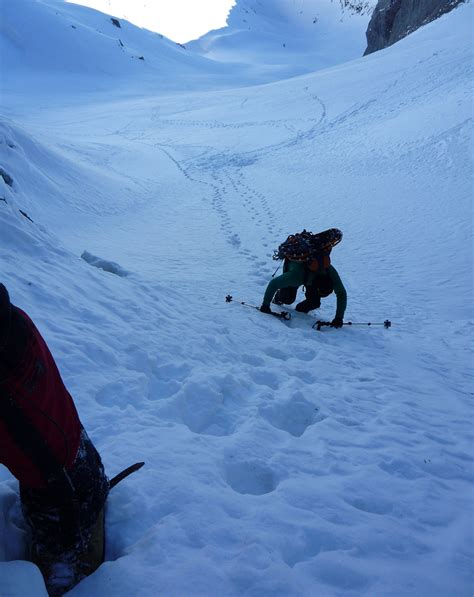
[(306, 306)]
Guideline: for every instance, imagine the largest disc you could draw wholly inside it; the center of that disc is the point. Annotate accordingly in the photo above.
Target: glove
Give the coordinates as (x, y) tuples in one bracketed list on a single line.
[(265, 309), (337, 322)]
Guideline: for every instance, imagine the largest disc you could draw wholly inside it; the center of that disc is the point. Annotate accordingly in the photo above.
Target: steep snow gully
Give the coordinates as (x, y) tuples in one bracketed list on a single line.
[(280, 460)]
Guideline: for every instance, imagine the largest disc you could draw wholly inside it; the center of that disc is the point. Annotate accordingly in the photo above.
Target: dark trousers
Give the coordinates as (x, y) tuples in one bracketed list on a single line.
[(287, 296)]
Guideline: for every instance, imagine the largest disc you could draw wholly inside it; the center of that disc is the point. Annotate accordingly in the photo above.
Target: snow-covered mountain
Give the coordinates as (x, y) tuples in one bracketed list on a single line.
[(93, 51), (279, 460), (288, 37), (46, 43)]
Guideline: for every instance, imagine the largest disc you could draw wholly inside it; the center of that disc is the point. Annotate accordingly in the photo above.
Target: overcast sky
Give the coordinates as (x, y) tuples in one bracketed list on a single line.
[(180, 20)]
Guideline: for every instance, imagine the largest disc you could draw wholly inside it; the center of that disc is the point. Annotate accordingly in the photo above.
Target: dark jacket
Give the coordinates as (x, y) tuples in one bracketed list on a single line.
[(297, 274)]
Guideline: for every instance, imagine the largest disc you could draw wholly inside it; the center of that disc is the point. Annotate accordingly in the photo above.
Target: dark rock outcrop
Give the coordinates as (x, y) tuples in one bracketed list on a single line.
[(6, 177), (394, 19), (357, 6)]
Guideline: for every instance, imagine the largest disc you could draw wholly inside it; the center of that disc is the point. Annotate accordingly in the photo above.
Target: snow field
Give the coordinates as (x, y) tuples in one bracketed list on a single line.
[(279, 460)]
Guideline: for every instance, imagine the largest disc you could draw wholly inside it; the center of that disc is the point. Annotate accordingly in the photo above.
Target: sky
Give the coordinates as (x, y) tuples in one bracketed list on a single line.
[(180, 20)]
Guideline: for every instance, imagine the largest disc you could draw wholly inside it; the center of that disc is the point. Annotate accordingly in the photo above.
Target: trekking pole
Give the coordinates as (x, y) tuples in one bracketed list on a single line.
[(386, 324), (279, 265), (230, 299), (319, 324), (283, 315)]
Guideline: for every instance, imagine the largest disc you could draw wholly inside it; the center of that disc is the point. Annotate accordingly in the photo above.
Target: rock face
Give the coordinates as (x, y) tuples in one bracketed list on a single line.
[(357, 6), (394, 19)]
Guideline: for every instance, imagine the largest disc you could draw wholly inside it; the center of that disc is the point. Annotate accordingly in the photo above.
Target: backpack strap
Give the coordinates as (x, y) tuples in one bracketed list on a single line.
[(318, 263)]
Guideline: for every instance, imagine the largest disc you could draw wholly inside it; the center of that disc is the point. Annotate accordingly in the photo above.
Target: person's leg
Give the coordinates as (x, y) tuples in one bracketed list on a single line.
[(93, 556), (64, 569), (67, 527), (285, 296), (52, 539), (312, 300)]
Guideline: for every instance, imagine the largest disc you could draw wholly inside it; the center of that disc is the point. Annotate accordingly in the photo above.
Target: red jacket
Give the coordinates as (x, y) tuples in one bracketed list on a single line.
[(30, 380)]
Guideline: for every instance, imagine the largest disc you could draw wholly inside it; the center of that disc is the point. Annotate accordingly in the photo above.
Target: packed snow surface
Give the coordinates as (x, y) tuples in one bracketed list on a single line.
[(280, 461)]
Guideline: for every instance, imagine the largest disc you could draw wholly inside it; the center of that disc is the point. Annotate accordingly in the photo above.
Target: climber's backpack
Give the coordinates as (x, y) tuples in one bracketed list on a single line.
[(313, 249)]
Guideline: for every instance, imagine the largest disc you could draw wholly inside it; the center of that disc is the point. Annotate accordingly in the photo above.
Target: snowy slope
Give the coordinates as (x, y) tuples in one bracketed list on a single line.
[(49, 43), (279, 460), (283, 38)]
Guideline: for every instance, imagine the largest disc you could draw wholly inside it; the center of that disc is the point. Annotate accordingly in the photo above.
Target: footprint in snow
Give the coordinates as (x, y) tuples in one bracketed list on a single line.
[(305, 376), (171, 371), (343, 577), (293, 416), (265, 378), (204, 409), (253, 360), (304, 353), (275, 353), (166, 380), (370, 504), (129, 391), (401, 468), (250, 477), (307, 543), (162, 389)]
